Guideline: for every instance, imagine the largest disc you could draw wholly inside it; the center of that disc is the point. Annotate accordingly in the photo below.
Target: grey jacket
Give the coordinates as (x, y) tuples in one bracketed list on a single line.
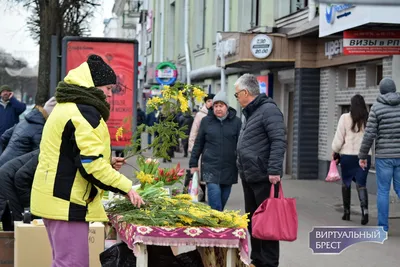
[(383, 126)]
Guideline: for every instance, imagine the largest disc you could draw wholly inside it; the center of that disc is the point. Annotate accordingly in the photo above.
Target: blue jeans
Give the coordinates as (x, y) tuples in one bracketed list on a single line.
[(386, 169), (149, 138), (218, 195)]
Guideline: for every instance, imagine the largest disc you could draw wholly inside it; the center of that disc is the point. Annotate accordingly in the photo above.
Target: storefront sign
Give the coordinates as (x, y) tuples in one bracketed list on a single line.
[(335, 18), (371, 42), (261, 46), (166, 73), (333, 11), (121, 55), (155, 90), (333, 48)]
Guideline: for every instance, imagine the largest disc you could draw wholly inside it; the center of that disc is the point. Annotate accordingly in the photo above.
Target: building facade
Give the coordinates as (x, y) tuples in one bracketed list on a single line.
[(303, 67), (344, 75)]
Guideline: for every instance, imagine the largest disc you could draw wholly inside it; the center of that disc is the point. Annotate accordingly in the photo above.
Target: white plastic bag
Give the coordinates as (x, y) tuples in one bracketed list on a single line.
[(194, 187)]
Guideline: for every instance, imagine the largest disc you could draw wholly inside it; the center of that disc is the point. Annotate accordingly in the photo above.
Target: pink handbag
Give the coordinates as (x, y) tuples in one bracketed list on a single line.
[(333, 174), (276, 218)]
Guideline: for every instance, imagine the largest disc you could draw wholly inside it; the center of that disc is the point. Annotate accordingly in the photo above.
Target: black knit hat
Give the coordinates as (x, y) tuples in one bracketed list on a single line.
[(209, 96), (102, 74)]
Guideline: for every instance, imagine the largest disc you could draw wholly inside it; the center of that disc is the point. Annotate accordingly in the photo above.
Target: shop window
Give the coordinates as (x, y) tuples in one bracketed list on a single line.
[(374, 74), (297, 5), (345, 109), (351, 78), (255, 13)]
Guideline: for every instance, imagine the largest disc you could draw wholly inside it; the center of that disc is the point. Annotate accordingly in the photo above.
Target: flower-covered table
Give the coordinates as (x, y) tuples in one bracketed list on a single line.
[(205, 238)]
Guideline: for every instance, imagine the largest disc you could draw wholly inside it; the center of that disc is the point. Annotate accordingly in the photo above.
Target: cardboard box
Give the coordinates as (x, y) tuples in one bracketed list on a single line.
[(32, 246), (6, 249)]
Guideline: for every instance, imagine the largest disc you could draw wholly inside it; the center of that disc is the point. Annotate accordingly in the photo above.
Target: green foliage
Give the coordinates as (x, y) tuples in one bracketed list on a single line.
[(166, 132)]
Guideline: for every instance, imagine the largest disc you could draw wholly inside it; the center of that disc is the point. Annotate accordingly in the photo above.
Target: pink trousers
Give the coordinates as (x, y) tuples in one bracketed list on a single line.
[(69, 242)]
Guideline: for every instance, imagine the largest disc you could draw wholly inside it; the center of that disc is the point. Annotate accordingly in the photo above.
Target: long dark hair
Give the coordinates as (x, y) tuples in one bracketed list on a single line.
[(358, 113)]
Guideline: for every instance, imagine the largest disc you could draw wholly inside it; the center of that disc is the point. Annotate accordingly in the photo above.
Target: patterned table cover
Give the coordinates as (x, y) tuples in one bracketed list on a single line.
[(183, 236)]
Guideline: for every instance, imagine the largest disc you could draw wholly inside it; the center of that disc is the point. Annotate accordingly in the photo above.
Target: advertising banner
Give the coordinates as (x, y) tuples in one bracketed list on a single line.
[(263, 82), (371, 42), (122, 56)]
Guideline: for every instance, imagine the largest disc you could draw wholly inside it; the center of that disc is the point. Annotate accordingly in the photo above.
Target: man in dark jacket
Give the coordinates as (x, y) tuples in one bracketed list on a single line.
[(151, 119), (216, 141), (26, 135), (10, 109), (383, 126), (261, 150), (16, 177)]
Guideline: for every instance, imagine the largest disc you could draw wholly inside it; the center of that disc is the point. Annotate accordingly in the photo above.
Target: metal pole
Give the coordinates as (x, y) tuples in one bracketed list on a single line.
[(186, 42), (220, 52)]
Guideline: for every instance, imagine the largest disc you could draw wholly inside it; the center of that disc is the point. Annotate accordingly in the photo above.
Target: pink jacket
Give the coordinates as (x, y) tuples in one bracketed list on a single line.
[(196, 125)]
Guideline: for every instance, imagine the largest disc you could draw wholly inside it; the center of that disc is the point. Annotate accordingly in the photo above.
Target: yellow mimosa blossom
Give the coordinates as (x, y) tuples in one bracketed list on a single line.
[(199, 94), (144, 178), (183, 101), (166, 92), (183, 197), (154, 102), (186, 219), (119, 133)]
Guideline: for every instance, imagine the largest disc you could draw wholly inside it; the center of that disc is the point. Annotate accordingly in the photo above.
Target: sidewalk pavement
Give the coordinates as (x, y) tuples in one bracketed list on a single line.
[(319, 204)]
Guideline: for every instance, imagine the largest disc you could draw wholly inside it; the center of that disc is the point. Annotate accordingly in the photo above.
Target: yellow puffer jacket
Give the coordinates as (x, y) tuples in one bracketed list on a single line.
[(74, 162)]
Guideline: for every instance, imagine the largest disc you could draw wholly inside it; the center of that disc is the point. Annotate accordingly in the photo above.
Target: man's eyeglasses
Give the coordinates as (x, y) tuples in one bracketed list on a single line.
[(237, 94)]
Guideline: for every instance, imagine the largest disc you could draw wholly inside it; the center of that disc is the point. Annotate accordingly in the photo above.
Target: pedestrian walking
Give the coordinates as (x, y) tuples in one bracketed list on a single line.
[(10, 108), (347, 143), (383, 127), (217, 141), (75, 164), (208, 102), (261, 149)]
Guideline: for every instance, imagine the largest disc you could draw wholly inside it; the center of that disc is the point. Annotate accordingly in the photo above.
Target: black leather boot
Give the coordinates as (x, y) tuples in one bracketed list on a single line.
[(346, 195), (363, 196)]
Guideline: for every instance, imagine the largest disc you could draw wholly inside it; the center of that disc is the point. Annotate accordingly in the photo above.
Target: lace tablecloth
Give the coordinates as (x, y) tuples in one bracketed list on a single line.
[(205, 238)]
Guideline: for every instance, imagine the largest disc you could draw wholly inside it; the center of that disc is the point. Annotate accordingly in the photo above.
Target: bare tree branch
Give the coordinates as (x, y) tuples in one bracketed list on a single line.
[(55, 18)]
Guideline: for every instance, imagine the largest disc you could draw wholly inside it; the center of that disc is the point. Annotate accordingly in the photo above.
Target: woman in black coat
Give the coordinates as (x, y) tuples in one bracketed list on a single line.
[(216, 142), (16, 177)]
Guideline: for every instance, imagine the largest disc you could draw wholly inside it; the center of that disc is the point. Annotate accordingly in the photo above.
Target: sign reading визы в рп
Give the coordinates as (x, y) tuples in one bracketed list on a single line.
[(335, 239), (261, 46), (371, 42)]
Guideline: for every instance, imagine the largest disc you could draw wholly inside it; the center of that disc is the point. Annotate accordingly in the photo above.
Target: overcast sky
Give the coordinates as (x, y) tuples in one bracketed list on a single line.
[(15, 38)]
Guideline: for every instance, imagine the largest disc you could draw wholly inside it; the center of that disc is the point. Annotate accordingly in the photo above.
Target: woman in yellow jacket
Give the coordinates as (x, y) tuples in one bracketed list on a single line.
[(74, 163)]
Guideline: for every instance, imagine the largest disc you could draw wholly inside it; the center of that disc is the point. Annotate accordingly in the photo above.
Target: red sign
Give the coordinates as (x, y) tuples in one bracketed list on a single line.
[(120, 55), (371, 42), (263, 82)]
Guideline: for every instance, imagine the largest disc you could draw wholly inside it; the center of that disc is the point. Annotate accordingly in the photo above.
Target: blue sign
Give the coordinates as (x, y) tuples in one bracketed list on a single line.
[(332, 9)]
